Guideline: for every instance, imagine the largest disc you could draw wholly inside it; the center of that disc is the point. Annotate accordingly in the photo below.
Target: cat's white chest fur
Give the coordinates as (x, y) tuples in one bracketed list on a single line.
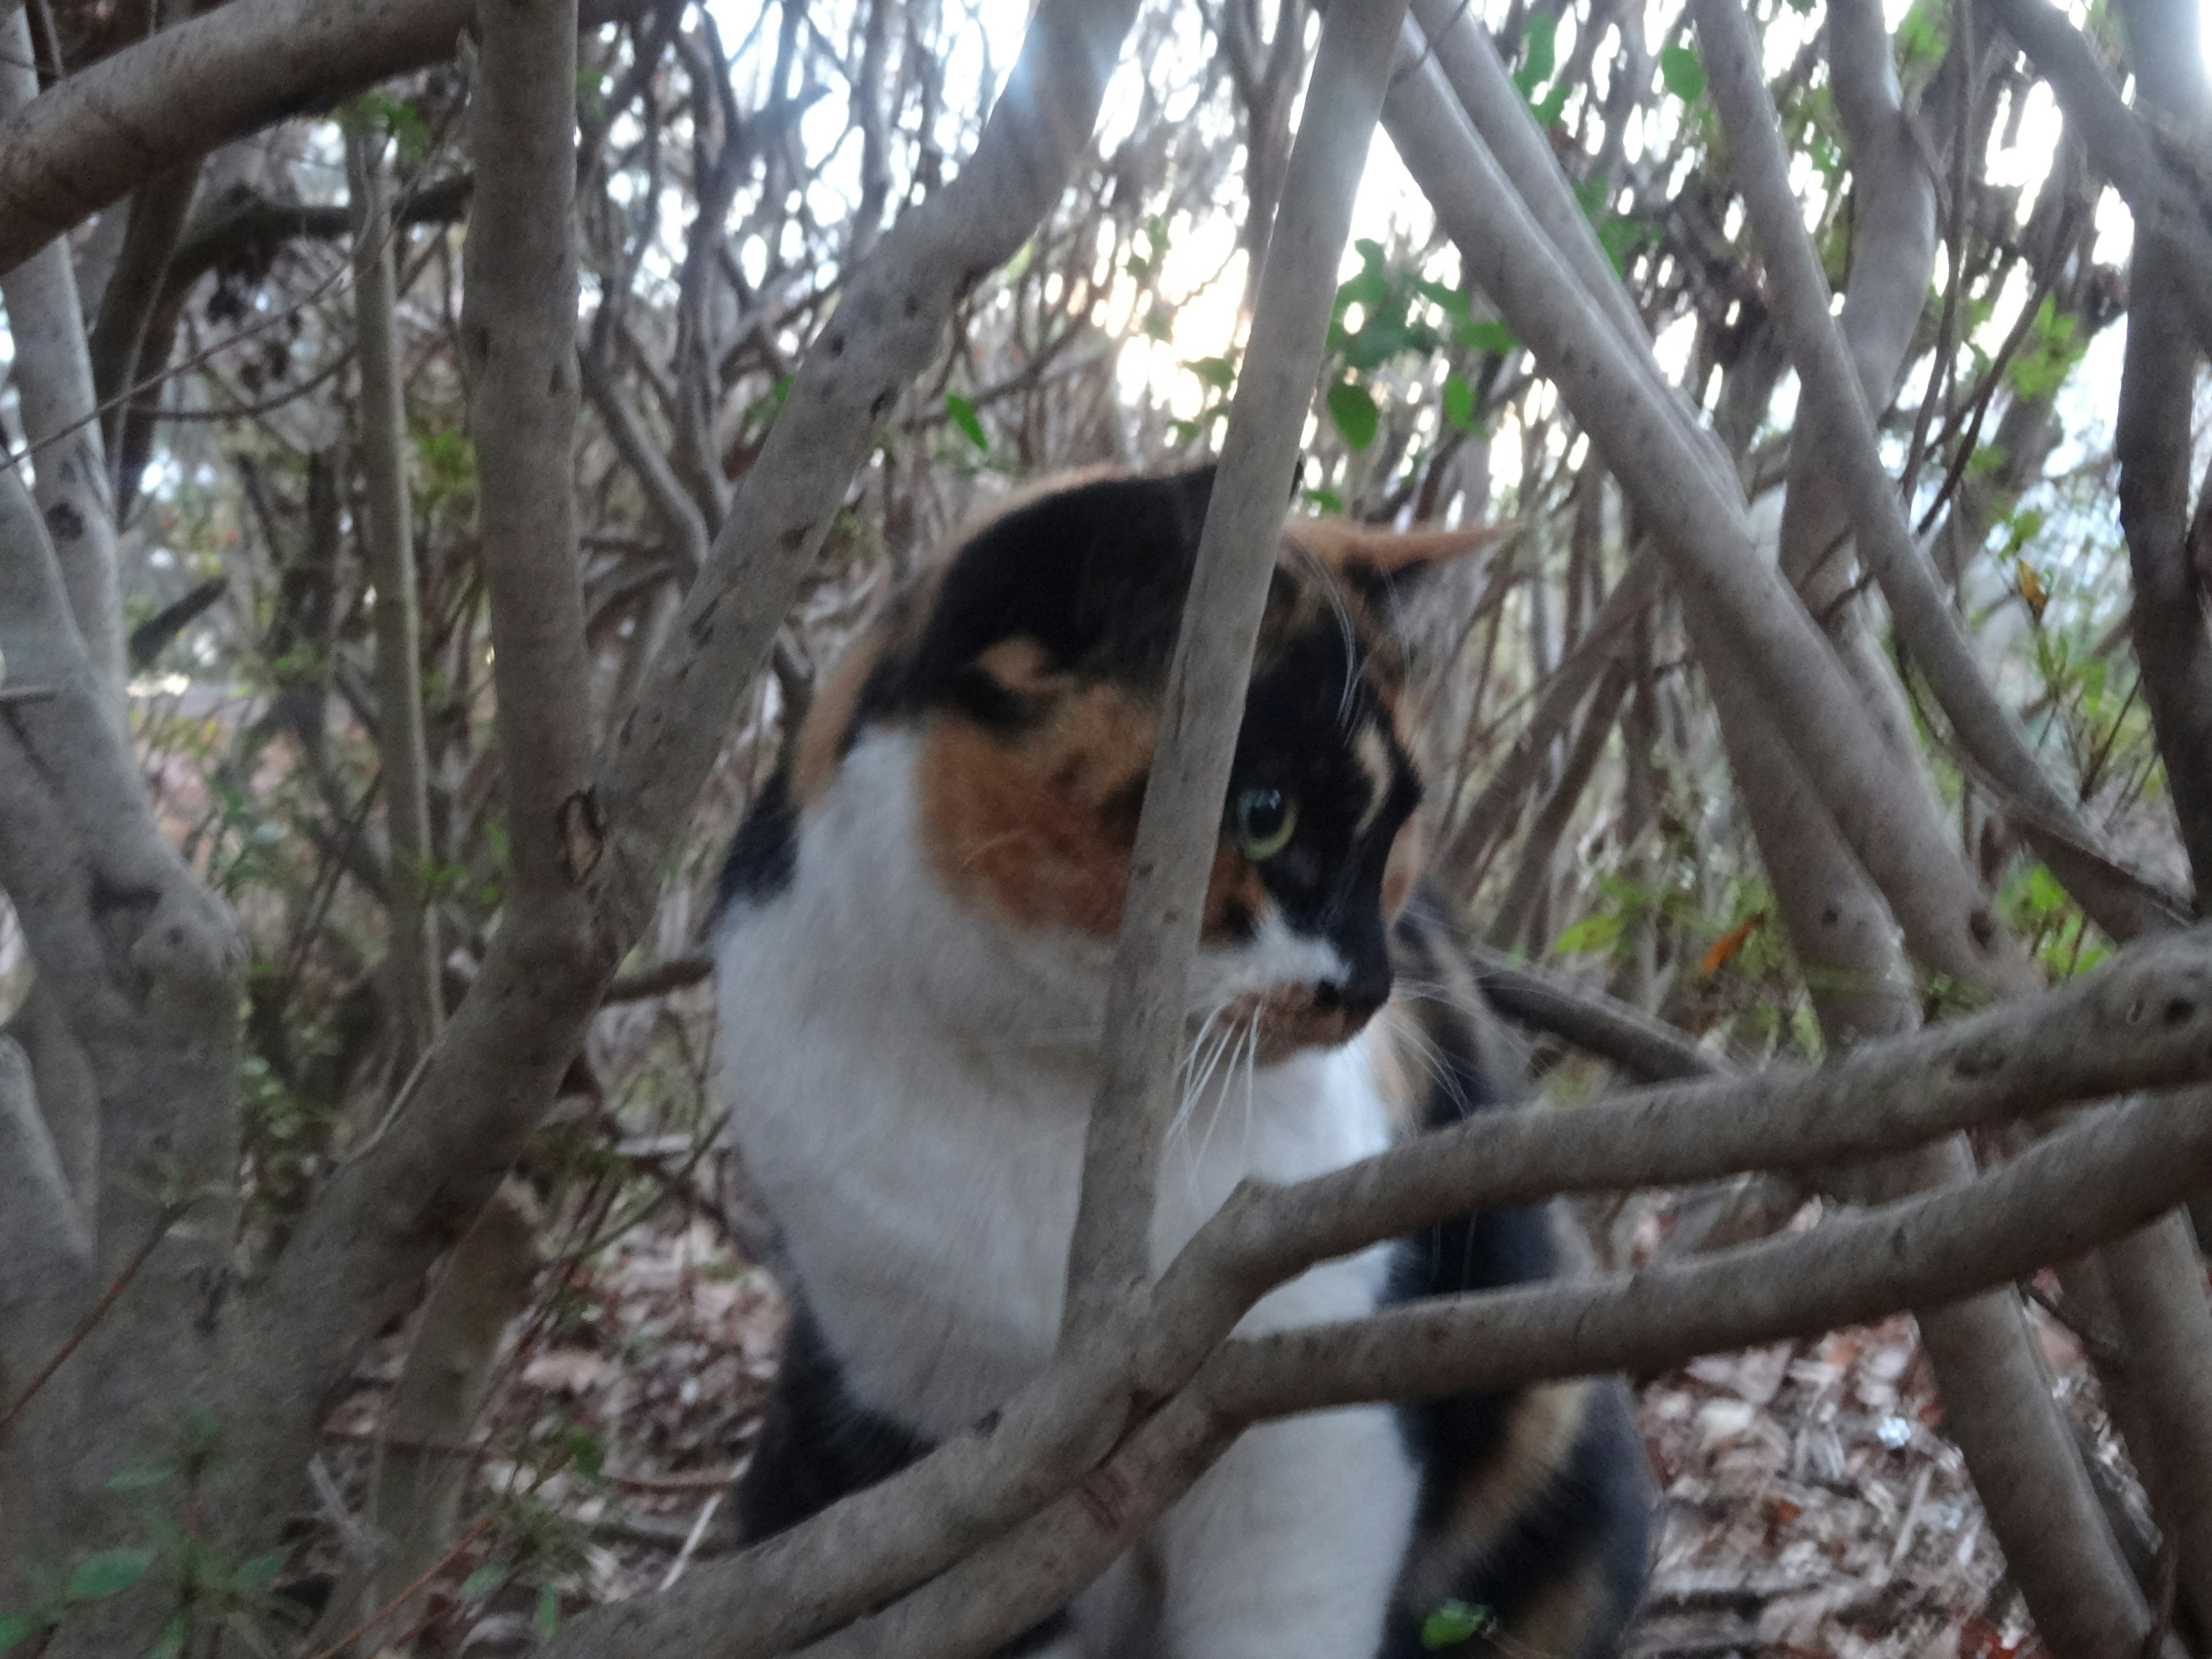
[(908, 1085)]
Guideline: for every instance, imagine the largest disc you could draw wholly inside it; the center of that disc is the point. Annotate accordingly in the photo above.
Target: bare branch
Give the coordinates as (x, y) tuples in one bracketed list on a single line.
[(2085, 1185), (1650, 1050), (1109, 1258), (1494, 809), (2173, 645), (95, 136), (1688, 493), (413, 955), (53, 380), (416, 1488), (2125, 148)]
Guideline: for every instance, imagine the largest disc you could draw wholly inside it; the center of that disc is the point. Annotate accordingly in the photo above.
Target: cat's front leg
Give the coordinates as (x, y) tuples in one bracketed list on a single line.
[(1288, 1549)]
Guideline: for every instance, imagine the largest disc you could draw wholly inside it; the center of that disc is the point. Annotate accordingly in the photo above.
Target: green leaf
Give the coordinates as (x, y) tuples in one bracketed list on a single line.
[(1369, 289), (1599, 930), (1452, 302), (963, 415), (1924, 33), (139, 1476), (1383, 339), (1459, 402), (1554, 105), (1354, 412), (1214, 371), (1490, 335), (581, 1448), (251, 1575), (1182, 431), (107, 1573), (1455, 1622), (1683, 71), (16, 1629), (171, 1642), (482, 1579), (1537, 41), (1326, 500), (1371, 253), (549, 1611)]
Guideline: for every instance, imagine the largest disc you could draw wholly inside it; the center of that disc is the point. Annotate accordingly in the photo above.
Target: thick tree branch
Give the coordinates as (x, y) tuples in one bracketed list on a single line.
[(1109, 1259), (95, 136), (412, 965), (518, 330), (2166, 621), (143, 966), (2064, 1196), (53, 382)]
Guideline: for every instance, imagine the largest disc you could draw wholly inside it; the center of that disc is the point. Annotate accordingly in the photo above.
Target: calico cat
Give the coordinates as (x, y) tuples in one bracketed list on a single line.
[(913, 940)]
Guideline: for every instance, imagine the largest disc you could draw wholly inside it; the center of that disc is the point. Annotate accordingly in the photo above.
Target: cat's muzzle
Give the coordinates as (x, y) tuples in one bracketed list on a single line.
[(1289, 1018)]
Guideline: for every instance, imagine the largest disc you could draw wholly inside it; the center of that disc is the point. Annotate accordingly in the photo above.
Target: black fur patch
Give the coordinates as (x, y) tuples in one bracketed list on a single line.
[(818, 1445), (1596, 1507), (1094, 574), (1307, 713), (764, 853)]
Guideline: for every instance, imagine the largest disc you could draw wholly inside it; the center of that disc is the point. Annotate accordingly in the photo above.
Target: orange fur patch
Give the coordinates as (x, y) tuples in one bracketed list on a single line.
[(1409, 857), (822, 737), (1039, 827)]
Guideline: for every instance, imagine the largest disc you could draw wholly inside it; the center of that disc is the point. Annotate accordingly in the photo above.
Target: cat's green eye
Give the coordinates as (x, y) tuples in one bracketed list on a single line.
[(1266, 820)]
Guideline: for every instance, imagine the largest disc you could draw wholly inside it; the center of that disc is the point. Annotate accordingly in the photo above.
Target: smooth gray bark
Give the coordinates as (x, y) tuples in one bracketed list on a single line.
[(52, 376), (1109, 1258), (412, 957)]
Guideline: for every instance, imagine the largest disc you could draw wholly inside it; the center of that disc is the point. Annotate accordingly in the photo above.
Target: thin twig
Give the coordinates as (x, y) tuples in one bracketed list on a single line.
[(424, 1577)]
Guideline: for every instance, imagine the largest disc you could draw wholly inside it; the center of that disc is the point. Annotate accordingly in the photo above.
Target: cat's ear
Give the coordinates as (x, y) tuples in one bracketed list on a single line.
[(1382, 563)]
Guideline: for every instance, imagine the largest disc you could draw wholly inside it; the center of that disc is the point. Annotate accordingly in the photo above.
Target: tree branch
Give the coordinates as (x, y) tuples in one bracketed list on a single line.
[(53, 380), (2144, 1020), (413, 957), (1109, 1257), (90, 139), (1688, 494), (2064, 1196), (2074, 1191), (1648, 1049), (143, 965)]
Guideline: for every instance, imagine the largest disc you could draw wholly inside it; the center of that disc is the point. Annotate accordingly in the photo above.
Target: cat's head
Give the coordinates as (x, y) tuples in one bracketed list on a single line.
[(1030, 668)]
